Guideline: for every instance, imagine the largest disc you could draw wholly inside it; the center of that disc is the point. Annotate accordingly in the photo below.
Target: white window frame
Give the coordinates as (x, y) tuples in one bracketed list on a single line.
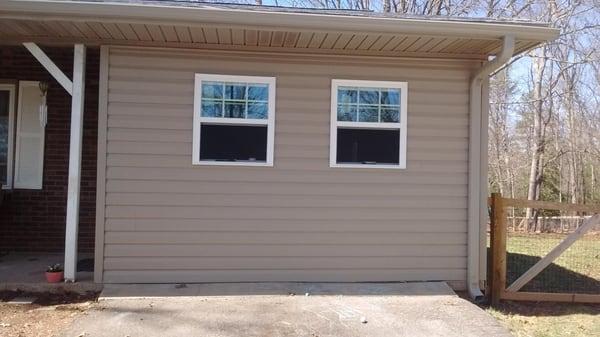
[(11, 88), (401, 125), (199, 119)]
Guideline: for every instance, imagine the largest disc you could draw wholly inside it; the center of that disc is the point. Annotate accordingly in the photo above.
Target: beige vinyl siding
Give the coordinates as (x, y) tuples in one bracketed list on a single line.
[(169, 221)]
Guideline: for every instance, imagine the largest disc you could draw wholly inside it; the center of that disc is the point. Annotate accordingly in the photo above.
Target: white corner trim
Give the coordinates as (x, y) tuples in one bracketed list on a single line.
[(47, 63), (198, 119), (11, 135), (101, 165), (402, 125)]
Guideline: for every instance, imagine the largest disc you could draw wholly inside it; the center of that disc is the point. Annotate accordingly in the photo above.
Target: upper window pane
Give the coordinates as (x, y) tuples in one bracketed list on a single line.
[(211, 108), (346, 113), (258, 110), (390, 97), (235, 91), (390, 115), (369, 96), (234, 100), (368, 114), (369, 105), (258, 93), (234, 110), (347, 96), (212, 90)]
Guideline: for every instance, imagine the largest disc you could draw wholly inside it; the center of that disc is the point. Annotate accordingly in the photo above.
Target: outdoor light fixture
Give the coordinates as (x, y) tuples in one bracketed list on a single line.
[(43, 109)]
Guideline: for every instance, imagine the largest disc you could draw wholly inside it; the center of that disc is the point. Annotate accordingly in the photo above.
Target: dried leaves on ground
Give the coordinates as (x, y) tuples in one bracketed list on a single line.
[(47, 316), (530, 319)]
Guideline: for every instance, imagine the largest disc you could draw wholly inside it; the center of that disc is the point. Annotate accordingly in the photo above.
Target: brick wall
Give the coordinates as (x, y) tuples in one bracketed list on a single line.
[(34, 220)]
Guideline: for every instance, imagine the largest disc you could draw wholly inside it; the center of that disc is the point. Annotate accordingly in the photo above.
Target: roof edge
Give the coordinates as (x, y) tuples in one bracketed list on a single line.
[(53, 9)]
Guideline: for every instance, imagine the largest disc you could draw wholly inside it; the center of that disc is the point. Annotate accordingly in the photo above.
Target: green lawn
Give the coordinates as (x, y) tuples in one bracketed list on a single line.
[(577, 270)]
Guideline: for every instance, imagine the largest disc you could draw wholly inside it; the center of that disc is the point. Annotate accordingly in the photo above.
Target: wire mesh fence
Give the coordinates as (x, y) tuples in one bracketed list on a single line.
[(543, 251), (528, 240), (563, 224)]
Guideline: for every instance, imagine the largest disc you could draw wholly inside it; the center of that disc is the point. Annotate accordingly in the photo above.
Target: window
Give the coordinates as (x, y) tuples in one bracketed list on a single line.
[(368, 124), (7, 108), (234, 120)]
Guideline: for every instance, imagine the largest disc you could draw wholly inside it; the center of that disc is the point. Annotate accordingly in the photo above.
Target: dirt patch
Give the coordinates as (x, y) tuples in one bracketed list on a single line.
[(44, 299), (546, 319), (47, 316), (532, 319)]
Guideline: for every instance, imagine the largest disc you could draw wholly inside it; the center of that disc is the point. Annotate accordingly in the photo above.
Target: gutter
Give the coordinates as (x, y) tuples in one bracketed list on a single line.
[(477, 187)]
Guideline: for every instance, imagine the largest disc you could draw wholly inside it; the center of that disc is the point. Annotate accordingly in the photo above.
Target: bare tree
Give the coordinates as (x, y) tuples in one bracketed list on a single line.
[(545, 110), (387, 7)]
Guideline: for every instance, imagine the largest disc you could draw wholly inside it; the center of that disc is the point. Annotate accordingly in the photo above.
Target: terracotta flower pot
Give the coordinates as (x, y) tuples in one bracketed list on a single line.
[(54, 277)]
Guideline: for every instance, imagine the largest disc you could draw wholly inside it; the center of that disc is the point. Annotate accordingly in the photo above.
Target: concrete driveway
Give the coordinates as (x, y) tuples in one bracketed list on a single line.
[(224, 310)]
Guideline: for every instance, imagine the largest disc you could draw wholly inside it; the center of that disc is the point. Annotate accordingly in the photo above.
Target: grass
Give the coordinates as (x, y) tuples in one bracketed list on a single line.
[(576, 270), (529, 319)]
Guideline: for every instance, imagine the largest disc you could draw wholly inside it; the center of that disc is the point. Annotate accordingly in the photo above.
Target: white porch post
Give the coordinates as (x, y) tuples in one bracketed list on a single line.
[(77, 100), (76, 89)]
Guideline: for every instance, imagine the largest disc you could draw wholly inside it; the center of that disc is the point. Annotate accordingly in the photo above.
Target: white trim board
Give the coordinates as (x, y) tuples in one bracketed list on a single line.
[(75, 139), (101, 164)]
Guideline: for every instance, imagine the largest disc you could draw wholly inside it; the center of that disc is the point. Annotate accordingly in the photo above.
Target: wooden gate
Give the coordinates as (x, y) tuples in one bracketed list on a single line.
[(497, 278)]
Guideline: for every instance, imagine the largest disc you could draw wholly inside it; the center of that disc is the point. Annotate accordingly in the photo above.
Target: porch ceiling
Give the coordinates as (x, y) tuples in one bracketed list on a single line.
[(195, 25)]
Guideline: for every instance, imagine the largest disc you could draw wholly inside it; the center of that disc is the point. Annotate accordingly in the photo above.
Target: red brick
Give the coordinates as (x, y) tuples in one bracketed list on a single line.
[(34, 220)]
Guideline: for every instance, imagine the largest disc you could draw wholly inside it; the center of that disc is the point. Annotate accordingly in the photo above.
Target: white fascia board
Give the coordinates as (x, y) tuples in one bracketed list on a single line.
[(140, 13)]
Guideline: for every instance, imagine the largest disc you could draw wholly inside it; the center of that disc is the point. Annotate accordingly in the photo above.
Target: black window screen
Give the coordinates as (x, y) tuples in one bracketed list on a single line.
[(368, 146), (233, 142)]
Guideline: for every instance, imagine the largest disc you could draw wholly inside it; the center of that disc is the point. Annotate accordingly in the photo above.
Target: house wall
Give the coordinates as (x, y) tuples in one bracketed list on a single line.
[(34, 220), (169, 221)]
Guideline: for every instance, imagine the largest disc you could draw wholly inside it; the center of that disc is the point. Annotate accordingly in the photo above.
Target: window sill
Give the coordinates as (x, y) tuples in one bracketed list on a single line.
[(368, 166), (231, 163)]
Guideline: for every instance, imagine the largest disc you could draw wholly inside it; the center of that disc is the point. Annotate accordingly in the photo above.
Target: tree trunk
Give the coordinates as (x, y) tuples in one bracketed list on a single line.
[(592, 183), (538, 140), (387, 6)]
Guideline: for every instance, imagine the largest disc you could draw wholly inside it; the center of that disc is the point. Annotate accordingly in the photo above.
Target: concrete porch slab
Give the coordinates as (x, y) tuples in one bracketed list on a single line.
[(25, 272), (268, 309)]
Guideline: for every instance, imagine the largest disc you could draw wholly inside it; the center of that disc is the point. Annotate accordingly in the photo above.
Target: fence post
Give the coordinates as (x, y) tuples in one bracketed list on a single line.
[(498, 247)]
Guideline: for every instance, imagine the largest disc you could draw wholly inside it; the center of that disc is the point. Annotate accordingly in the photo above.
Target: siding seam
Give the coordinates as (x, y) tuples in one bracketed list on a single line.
[(101, 165)]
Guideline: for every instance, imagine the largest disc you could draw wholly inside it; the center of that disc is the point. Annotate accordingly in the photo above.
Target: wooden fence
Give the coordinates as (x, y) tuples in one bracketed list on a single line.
[(497, 279)]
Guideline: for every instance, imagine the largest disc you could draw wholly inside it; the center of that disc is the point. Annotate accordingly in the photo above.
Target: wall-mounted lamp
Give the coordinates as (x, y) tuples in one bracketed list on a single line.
[(43, 107)]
